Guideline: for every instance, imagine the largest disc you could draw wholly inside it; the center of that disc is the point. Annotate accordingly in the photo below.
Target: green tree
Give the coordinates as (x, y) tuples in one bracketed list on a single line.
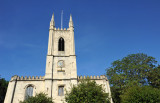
[(135, 69), (3, 89), (154, 77), (38, 98), (87, 92), (137, 94)]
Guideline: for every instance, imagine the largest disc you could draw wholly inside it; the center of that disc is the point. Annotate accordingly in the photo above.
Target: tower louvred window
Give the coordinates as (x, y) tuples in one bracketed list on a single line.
[(61, 44)]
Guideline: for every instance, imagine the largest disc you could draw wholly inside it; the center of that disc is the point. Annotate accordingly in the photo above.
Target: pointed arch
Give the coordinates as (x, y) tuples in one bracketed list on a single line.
[(29, 91), (61, 44)]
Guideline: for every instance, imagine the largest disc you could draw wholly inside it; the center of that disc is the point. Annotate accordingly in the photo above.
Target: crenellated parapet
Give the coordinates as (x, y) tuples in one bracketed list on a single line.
[(29, 78), (52, 25), (102, 77), (61, 29)]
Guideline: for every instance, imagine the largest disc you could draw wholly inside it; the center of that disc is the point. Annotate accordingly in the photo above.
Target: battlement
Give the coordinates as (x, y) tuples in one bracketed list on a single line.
[(61, 29), (92, 77), (18, 78)]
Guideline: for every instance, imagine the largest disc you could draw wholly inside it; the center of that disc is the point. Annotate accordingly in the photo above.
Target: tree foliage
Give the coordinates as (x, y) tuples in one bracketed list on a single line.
[(38, 98), (87, 92), (143, 94), (135, 69), (154, 77), (3, 89)]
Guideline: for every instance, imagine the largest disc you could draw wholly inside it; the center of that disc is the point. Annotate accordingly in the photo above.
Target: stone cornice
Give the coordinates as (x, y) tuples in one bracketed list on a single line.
[(61, 55)]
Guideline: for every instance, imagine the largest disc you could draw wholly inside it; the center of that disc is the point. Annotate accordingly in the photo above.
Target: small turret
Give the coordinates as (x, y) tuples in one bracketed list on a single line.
[(52, 23), (70, 22)]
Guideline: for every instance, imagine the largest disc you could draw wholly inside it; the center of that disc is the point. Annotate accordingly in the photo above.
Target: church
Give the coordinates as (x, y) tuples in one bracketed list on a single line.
[(61, 70)]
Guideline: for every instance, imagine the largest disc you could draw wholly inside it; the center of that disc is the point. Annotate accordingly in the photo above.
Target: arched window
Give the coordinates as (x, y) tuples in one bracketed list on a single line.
[(61, 44), (29, 91)]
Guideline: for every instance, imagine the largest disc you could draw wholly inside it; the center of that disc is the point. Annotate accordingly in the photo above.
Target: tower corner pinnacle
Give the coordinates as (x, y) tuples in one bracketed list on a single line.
[(70, 21), (52, 23)]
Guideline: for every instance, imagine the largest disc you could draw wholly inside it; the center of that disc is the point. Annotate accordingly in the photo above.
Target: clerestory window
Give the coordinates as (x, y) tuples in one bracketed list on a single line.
[(61, 44)]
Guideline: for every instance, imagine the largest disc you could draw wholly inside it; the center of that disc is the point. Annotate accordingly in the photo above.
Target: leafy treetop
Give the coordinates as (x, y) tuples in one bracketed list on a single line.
[(87, 92)]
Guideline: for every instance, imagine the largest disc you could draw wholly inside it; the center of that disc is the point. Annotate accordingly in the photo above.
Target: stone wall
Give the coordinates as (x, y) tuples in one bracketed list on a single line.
[(17, 86)]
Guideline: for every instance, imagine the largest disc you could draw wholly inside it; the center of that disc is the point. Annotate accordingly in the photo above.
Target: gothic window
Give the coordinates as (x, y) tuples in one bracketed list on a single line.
[(61, 90), (29, 91), (61, 44)]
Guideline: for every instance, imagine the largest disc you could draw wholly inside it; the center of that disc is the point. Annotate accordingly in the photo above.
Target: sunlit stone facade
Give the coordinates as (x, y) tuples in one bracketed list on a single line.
[(61, 70)]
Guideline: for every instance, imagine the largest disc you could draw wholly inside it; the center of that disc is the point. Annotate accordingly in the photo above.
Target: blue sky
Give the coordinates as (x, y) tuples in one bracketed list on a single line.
[(105, 31)]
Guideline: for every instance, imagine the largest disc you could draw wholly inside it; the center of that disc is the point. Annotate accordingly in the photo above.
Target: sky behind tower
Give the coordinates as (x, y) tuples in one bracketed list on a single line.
[(105, 31)]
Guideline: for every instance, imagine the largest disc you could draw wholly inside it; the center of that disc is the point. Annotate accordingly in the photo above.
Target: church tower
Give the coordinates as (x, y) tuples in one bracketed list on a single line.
[(61, 70)]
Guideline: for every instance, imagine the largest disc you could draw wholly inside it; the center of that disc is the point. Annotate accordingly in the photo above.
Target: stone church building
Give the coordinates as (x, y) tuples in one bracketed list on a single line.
[(61, 70)]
